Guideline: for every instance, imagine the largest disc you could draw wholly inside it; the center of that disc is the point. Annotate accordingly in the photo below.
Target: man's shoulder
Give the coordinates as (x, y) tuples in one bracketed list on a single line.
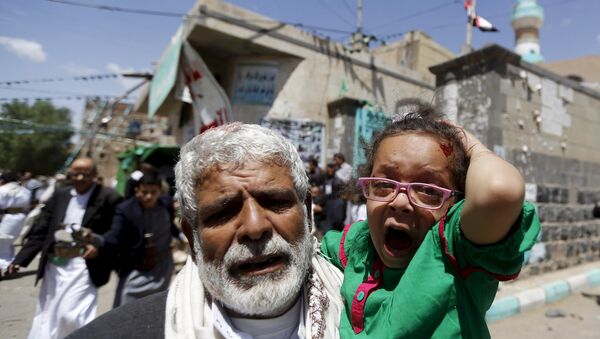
[(144, 318), (107, 195), (128, 203)]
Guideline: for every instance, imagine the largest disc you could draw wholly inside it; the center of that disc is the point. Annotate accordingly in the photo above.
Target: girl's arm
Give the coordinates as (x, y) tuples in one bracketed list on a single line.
[(494, 194)]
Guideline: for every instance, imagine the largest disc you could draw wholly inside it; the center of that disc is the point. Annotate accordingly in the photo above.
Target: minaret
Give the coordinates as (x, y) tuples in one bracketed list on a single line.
[(527, 19)]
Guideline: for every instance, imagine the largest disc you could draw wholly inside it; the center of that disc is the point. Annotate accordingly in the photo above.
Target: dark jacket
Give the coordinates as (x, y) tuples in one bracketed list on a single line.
[(97, 217), (143, 318), (126, 235)]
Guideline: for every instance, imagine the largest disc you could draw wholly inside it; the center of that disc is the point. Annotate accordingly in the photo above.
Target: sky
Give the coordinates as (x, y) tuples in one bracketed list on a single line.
[(51, 39)]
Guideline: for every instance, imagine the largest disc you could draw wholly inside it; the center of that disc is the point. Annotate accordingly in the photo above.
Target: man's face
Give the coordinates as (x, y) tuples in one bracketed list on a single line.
[(338, 161), (315, 191), (398, 227), (253, 248), (148, 194), (82, 175)]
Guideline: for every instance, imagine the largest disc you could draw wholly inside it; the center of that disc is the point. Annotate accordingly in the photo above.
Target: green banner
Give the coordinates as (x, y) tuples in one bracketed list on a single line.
[(164, 77)]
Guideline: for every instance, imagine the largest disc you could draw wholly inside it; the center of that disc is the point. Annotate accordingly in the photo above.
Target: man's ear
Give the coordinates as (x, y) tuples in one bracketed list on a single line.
[(308, 204), (187, 231)]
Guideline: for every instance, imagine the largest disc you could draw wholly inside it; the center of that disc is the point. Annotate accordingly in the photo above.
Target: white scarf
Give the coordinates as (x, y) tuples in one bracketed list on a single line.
[(189, 316)]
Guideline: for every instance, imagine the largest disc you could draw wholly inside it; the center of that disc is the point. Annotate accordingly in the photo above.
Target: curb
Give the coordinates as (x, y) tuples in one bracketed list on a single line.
[(540, 296)]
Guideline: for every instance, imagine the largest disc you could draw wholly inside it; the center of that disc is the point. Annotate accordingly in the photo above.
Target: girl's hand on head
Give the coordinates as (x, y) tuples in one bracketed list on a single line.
[(470, 142)]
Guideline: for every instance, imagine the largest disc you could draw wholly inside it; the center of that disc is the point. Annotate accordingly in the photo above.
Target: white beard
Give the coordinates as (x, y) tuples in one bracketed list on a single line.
[(266, 295)]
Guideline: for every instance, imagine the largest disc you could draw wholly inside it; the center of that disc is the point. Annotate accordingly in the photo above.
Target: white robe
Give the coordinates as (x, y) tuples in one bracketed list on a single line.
[(68, 299), (12, 195)]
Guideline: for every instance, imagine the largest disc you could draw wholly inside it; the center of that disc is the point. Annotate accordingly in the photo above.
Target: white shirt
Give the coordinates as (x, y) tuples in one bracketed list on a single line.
[(74, 215), (355, 212), (76, 209), (286, 325), (344, 173)]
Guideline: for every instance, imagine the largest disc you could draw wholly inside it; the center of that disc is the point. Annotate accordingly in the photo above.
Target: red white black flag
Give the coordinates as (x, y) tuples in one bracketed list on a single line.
[(483, 25), (476, 20)]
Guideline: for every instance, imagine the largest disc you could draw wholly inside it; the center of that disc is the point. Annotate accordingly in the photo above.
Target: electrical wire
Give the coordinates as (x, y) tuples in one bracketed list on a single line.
[(47, 91), (324, 4), (186, 16), (57, 79), (415, 15), (350, 10)]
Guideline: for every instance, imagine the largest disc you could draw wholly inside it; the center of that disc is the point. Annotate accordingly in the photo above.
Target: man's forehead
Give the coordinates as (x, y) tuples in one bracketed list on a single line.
[(82, 165), (253, 177)]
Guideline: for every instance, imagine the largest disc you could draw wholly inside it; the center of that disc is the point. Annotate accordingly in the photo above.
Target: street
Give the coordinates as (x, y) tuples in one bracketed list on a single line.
[(573, 317), (578, 316), (18, 298)]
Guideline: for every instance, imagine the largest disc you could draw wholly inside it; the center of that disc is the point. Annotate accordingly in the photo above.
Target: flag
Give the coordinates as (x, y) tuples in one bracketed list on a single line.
[(476, 20), (211, 104), (344, 88), (483, 24), (468, 4)]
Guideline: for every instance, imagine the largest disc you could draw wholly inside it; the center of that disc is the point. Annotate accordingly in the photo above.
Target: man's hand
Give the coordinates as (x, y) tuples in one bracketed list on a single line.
[(12, 269), (85, 235), (90, 252)]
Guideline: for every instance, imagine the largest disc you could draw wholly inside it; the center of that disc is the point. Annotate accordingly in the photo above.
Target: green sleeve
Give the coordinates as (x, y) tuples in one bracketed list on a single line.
[(330, 248), (505, 257)]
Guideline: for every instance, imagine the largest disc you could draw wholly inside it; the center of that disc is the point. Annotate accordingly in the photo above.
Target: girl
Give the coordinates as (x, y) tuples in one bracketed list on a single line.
[(445, 222)]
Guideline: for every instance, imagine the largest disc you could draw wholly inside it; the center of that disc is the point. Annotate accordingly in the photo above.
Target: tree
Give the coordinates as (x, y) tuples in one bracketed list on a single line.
[(34, 138)]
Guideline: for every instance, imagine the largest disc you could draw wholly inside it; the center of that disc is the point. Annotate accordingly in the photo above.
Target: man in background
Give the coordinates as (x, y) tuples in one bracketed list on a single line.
[(141, 234), (14, 204), (71, 274)]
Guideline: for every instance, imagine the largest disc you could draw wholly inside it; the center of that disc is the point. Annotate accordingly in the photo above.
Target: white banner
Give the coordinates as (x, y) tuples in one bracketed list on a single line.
[(211, 104)]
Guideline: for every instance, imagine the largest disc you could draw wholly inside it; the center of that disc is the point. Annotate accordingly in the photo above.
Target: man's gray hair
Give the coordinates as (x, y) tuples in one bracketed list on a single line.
[(231, 146)]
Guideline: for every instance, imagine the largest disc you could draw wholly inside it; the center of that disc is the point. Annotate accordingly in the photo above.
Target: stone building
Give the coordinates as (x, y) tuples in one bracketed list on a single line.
[(545, 124), (585, 70), (113, 128), (287, 78)]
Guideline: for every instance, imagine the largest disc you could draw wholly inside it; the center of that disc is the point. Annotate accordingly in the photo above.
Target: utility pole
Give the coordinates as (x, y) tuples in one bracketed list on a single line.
[(467, 48), (94, 130), (358, 38)]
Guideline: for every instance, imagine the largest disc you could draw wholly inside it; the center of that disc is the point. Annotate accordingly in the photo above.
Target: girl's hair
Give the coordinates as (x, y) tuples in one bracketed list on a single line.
[(424, 119)]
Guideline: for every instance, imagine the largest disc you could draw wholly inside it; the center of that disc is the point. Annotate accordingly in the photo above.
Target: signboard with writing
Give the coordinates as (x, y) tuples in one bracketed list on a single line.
[(255, 84)]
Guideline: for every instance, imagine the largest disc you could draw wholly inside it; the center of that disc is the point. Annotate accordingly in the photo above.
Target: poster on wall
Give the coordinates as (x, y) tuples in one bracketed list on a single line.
[(366, 124), (306, 135), (254, 84)]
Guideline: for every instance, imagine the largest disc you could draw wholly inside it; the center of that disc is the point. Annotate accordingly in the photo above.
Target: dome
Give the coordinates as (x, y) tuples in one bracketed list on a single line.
[(527, 8), (533, 58)]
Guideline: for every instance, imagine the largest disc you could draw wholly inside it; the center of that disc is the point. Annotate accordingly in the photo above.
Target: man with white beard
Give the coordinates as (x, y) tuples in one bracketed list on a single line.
[(255, 270)]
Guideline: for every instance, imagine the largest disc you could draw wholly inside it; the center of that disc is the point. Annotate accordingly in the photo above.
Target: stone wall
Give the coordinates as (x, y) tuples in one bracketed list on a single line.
[(545, 125)]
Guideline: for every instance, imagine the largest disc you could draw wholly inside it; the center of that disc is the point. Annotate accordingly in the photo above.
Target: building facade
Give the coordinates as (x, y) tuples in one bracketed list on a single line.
[(547, 126), (112, 128), (285, 76)]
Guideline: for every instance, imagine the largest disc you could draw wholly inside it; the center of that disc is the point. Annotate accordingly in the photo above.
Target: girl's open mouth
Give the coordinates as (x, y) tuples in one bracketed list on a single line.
[(398, 242)]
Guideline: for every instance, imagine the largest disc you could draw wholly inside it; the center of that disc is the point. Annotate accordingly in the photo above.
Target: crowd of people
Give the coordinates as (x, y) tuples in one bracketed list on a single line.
[(410, 245)]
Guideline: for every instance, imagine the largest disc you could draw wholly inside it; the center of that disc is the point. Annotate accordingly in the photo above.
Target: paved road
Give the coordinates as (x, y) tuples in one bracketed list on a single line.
[(582, 315), (579, 318), (18, 298)]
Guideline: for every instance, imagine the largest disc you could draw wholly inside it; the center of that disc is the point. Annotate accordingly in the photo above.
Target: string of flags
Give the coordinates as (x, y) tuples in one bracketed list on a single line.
[(66, 97), (57, 79), (477, 20)]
